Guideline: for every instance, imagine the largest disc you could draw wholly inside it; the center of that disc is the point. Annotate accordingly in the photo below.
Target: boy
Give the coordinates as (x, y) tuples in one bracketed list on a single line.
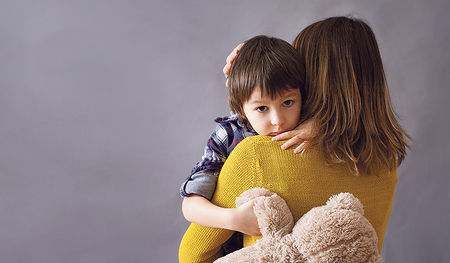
[(266, 89)]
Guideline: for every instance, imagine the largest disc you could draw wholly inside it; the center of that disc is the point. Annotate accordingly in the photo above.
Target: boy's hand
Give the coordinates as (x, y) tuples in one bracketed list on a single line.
[(200, 210), (245, 219), (302, 134), (230, 59)]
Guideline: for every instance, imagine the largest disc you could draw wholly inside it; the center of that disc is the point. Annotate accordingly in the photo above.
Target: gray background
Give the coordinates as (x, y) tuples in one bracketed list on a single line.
[(106, 105)]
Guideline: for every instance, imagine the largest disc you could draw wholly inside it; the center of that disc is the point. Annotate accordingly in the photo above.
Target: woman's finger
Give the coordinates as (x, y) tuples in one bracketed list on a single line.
[(285, 135), (291, 142), (301, 147), (226, 69), (230, 59)]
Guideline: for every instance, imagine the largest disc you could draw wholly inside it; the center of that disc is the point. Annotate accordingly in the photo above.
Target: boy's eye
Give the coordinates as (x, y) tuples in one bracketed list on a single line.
[(261, 109), (288, 103)]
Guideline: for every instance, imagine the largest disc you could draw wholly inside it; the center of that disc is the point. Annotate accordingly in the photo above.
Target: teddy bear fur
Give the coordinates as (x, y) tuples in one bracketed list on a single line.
[(335, 232)]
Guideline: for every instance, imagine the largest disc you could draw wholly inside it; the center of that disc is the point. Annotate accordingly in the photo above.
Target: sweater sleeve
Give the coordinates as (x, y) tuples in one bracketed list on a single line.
[(204, 244)]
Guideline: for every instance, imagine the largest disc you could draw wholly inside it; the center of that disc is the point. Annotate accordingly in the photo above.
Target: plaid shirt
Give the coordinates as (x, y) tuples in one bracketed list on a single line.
[(203, 178)]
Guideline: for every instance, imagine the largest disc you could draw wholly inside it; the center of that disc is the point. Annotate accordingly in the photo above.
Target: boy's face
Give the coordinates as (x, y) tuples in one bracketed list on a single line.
[(272, 117)]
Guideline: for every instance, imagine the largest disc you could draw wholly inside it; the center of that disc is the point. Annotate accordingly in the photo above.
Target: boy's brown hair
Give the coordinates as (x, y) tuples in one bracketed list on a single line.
[(270, 64), (349, 97)]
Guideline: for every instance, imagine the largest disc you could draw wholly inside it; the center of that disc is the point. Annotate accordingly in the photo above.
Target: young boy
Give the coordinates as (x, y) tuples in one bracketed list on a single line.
[(266, 89)]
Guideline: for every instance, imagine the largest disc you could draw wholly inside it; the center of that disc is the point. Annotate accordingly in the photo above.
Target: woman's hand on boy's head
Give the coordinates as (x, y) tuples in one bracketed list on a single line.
[(229, 60), (301, 135)]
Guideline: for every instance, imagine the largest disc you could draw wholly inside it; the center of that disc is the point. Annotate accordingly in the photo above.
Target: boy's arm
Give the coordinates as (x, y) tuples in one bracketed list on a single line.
[(201, 244), (204, 244), (199, 210), (203, 178)]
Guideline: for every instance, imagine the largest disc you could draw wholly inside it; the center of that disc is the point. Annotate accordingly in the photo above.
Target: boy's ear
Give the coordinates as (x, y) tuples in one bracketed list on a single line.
[(244, 119), (242, 115)]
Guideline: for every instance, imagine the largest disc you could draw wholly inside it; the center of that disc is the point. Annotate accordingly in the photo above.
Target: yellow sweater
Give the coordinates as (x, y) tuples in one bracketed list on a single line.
[(304, 181)]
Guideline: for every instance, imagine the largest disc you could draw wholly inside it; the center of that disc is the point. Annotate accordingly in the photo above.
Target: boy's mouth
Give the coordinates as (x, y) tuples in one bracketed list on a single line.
[(277, 133)]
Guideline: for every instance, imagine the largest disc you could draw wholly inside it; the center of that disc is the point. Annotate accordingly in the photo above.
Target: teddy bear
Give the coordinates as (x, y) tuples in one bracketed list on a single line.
[(334, 232)]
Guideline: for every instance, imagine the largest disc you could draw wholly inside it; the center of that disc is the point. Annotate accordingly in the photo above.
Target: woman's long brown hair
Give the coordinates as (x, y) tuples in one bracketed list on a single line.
[(349, 99)]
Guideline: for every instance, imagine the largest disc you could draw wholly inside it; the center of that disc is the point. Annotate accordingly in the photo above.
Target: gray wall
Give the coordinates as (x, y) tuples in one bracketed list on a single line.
[(105, 106)]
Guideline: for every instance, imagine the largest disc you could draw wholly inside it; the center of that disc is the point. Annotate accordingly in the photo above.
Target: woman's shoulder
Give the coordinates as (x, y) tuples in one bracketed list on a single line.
[(259, 139), (265, 142)]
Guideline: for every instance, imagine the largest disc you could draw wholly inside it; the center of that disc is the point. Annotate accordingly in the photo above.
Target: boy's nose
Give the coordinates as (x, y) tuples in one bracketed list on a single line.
[(277, 119)]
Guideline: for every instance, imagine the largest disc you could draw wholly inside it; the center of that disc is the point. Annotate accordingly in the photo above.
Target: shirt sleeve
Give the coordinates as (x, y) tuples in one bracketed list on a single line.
[(203, 177)]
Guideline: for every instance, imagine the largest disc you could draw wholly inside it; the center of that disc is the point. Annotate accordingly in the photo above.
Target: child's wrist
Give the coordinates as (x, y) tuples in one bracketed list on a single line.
[(231, 219)]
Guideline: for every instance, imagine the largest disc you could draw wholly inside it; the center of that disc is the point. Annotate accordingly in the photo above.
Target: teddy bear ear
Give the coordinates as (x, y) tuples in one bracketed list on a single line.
[(346, 201)]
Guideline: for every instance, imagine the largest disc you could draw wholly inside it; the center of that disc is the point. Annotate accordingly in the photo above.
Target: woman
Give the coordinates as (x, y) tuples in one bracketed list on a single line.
[(355, 146)]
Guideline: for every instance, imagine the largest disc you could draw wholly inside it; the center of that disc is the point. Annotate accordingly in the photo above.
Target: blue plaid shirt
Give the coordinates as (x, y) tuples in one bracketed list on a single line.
[(203, 178)]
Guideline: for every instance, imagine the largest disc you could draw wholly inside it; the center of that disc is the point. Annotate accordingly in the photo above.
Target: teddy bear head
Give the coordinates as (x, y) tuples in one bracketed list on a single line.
[(337, 232)]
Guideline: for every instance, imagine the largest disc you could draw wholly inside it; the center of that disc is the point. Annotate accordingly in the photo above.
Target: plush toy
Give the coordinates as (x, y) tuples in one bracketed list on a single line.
[(335, 232)]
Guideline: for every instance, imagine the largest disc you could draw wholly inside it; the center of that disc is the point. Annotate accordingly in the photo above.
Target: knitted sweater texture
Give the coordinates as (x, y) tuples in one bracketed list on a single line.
[(303, 180)]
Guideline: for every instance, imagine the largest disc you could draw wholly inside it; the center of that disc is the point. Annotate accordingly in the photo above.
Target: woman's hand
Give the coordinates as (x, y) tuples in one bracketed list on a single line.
[(244, 219), (230, 59), (301, 135)]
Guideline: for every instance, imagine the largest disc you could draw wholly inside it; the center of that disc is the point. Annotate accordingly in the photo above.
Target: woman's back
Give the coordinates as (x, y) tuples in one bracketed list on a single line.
[(304, 181)]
